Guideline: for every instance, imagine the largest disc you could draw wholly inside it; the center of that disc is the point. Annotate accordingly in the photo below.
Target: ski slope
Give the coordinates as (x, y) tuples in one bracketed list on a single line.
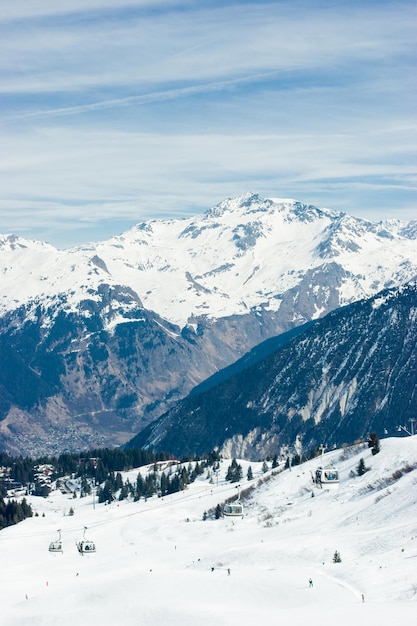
[(159, 563)]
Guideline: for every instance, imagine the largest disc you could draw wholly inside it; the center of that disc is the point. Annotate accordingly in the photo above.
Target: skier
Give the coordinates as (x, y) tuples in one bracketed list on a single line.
[(310, 582)]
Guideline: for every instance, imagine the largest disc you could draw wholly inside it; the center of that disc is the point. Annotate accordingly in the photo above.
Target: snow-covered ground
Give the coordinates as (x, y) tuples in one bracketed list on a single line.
[(159, 563)]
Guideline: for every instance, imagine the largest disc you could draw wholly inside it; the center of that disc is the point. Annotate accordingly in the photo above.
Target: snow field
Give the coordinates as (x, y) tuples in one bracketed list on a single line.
[(158, 562)]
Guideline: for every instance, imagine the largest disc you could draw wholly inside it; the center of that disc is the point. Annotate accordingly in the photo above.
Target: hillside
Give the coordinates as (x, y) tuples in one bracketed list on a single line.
[(351, 372), (157, 561)]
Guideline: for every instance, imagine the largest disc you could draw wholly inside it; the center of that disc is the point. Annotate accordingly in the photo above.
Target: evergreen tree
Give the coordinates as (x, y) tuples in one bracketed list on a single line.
[(361, 469), (105, 494), (150, 485), (85, 486), (184, 478), (336, 557), (164, 484), (119, 481), (174, 484), (26, 509), (234, 472), (250, 473), (140, 487), (13, 512), (213, 458), (373, 443), (197, 471), (124, 492)]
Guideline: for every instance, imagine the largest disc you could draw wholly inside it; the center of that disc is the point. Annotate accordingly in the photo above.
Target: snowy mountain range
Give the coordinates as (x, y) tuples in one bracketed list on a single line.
[(243, 255), (97, 341), (157, 560)]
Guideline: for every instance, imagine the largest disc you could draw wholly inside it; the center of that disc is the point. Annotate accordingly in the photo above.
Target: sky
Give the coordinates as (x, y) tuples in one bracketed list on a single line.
[(118, 111), (157, 562)]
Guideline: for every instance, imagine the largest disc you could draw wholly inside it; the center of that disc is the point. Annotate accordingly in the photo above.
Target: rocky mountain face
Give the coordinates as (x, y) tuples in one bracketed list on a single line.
[(98, 341), (347, 374)]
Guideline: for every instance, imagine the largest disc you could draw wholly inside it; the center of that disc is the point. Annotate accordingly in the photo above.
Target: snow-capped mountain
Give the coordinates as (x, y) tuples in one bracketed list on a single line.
[(243, 255), (98, 340)]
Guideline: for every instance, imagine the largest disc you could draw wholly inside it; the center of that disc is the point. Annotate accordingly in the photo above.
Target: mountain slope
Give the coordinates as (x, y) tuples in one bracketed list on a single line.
[(255, 355), (245, 253), (99, 340), (158, 562), (349, 373)]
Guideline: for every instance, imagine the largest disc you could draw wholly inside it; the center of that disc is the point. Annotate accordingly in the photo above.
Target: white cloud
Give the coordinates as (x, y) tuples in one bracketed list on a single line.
[(173, 106)]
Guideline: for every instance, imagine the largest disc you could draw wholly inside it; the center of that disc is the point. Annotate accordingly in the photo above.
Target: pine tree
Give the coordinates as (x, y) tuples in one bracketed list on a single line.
[(336, 557), (361, 469), (119, 481), (85, 486), (140, 487), (105, 494), (164, 486), (250, 473), (13, 512), (373, 443), (124, 492), (234, 472), (184, 477)]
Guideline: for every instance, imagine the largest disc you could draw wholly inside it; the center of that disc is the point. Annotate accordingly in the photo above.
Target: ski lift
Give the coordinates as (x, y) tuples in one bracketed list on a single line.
[(86, 546), (327, 477), (56, 546), (233, 509)]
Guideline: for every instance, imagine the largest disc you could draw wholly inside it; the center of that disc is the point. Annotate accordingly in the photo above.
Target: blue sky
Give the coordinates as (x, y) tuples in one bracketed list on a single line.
[(117, 111)]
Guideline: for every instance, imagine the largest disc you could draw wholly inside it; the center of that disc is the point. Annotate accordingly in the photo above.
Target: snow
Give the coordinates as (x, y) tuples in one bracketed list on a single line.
[(256, 249), (154, 558)]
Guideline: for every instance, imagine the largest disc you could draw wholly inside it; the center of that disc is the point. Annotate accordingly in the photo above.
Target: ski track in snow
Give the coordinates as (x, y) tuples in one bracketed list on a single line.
[(158, 562)]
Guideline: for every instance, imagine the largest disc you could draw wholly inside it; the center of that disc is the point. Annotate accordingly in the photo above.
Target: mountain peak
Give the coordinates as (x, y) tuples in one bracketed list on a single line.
[(11, 243), (247, 252), (245, 203), (122, 328)]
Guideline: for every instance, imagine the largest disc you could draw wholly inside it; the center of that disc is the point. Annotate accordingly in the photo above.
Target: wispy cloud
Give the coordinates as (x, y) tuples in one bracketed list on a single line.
[(148, 98), (134, 109)]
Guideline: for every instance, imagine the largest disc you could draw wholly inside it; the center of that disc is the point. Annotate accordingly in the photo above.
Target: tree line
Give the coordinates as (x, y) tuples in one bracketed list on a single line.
[(13, 512), (95, 463)]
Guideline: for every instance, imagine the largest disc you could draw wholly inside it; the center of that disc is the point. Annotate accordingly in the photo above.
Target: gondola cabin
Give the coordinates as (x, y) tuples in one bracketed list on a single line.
[(86, 546), (233, 509), (327, 477), (56, 546)]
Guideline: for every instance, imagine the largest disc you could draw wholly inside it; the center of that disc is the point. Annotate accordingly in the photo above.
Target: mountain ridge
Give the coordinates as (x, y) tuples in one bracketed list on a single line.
[(236, 244), (99, 340)]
